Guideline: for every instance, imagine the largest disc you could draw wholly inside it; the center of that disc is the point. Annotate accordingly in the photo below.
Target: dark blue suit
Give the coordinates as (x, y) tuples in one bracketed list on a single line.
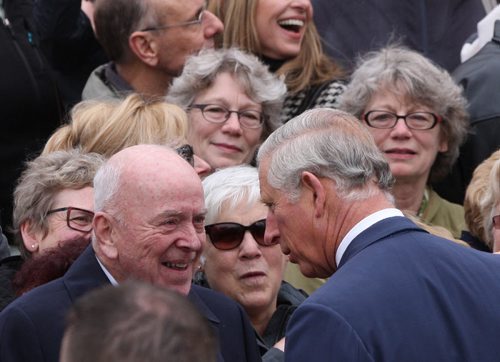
[(31, 328), (401, 294)]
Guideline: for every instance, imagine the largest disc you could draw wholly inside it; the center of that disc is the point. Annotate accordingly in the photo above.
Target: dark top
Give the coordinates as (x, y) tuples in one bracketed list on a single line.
[(69, 44), (435, 28), (289, 298), (401, 294), (38, 317), (480, 78), (8, 268), (29, 101)]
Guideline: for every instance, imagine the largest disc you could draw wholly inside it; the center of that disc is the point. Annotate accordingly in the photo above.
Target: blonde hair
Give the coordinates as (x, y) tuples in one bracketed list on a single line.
[(489, 202), (108, 126), (311, 67), (475, 204)]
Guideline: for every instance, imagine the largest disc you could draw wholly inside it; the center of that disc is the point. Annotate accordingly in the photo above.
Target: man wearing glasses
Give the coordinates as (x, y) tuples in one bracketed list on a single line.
[(149, 226), (147, 42)]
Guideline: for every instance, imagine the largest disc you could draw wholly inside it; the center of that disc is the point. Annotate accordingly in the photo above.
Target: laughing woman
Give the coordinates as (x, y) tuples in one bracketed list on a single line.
[(282, 34)]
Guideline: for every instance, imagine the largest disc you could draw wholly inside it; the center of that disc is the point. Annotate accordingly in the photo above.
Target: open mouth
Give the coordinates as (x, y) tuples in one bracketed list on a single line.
[(401, 152), (293, 25), (176, 266)]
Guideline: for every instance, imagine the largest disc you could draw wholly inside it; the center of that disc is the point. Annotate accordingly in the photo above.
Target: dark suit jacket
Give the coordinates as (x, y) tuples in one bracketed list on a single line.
[(401, 294), (32, 327)]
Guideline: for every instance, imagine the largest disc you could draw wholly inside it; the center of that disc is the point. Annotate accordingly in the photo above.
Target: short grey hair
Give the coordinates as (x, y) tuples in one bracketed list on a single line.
[(328, 143), (106, 186), (228, 188), (424, 82), (490, 200), (259, 83), (43, 178)]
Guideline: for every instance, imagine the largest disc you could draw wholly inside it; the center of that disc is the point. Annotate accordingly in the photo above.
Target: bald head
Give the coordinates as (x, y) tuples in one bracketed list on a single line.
[(136, 171)]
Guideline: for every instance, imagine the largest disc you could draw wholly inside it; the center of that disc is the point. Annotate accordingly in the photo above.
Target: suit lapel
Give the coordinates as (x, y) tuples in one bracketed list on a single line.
[(84, 275), (377, 232)]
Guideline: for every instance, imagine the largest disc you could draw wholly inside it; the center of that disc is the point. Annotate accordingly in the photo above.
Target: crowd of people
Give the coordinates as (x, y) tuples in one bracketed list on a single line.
[(201, 180)]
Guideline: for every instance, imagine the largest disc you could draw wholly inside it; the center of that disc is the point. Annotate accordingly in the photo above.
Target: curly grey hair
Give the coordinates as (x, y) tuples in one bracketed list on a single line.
[(328, 143), (43, 178), (424, 83), (200, 72)]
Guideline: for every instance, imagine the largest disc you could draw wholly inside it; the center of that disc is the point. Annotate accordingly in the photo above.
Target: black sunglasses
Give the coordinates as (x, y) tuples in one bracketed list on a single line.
[(229, 235)]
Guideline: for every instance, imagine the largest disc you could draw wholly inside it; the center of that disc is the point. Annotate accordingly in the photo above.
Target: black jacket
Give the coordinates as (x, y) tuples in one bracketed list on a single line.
[(29, 103), (480, 78), (69, 44)]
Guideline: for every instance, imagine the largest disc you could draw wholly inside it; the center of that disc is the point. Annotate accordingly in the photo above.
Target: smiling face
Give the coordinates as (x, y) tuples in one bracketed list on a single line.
[(224, 144), (410, 153), (157, 234), (281, 26), (250, 274)]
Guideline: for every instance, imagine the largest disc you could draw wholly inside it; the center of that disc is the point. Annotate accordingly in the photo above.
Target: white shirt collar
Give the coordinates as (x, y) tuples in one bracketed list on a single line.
[(362, 226), (108, 274)]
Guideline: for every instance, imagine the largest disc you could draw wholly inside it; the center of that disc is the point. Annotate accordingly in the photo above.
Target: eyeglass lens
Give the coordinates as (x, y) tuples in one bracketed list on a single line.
[(79, 219), (76, 218), (416, 120), (219, 114), (229, 235)]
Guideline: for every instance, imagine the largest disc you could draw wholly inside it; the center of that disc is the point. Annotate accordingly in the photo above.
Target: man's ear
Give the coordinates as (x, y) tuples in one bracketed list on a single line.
[(145, 47), (317, 191), (105, 235), (31, 238)]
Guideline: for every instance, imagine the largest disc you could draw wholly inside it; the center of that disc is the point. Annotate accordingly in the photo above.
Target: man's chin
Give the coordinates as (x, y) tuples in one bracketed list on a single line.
[(312, 271)]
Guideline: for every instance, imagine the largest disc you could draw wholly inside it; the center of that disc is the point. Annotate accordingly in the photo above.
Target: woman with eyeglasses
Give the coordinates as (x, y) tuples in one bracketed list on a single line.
[(53, 205), (417, 116), (238, 260), (283, 35), (233, 104)]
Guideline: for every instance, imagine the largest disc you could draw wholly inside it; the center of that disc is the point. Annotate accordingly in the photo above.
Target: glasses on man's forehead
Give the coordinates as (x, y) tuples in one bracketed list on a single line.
[(76, 218), (187, 153), (197, 20), (229, 235)]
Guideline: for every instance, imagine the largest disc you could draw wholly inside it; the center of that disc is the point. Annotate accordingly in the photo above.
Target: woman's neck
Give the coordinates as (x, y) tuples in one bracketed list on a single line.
[(409, 195), (260, 319)]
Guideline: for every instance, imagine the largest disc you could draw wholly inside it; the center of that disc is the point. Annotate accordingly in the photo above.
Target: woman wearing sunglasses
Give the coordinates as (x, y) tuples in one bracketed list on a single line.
[(238, 261)]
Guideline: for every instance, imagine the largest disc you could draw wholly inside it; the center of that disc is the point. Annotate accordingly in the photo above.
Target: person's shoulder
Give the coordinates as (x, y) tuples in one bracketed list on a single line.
[(98, 85), (41, 299), (213, 298)]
